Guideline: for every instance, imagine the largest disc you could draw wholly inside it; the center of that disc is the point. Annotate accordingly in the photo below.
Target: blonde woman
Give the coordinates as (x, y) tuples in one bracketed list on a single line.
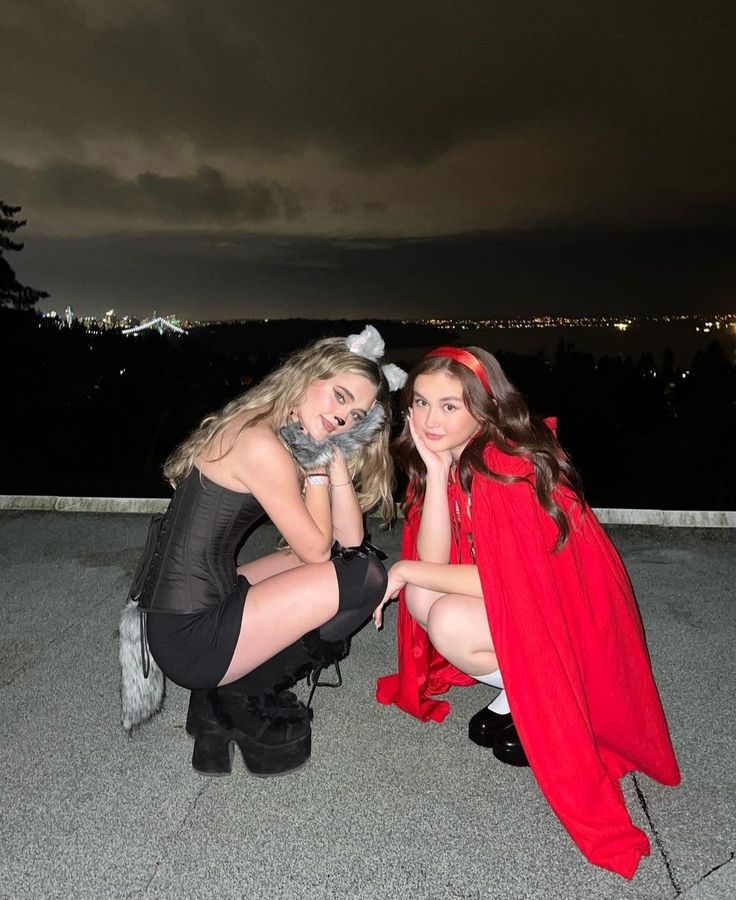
[(307, 447)]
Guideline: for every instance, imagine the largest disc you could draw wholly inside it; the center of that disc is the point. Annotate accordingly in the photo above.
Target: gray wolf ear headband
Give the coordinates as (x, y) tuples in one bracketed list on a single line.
[(371, 345)]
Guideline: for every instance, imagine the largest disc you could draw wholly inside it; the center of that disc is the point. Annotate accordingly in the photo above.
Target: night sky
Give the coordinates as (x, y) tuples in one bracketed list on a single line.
[(234, 159)]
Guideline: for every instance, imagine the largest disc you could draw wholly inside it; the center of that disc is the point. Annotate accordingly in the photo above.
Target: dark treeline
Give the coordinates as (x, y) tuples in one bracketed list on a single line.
[(96, 414)]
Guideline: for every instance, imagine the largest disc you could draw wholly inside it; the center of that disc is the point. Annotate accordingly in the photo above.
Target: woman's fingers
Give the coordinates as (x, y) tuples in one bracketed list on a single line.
[(394, 583), (392, 592), (422, 448), (378, 615), (338, 460), (413, 431), (430, 457)]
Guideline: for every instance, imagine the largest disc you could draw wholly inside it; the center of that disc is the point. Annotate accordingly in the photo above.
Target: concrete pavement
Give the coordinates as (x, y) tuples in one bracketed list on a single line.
[(387, 806)]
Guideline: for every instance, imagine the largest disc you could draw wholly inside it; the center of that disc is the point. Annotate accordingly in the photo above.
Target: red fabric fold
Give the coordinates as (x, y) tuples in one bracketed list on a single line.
[(570, 643), (422, 673)]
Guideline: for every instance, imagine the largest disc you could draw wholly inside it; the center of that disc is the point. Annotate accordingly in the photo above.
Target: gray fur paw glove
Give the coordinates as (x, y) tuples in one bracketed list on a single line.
[(362, 433), (310, 453)]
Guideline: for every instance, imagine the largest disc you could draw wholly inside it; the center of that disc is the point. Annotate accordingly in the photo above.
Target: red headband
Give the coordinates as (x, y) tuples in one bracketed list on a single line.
[(465, 358)]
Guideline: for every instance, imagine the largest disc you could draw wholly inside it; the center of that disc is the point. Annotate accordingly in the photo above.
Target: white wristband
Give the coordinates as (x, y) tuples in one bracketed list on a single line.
[(317, 479)]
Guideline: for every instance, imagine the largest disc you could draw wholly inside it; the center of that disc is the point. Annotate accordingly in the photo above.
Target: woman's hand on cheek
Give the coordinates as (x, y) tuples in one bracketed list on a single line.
[(435, 462), (394, 585)]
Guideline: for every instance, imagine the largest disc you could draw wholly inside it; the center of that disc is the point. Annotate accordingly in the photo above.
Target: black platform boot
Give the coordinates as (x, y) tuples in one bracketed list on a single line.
[(270, 743), (259, 714), (322, 655), (308, 658)]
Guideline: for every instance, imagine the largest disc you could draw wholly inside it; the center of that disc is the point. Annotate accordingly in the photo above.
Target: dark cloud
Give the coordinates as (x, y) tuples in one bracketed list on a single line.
[(373, 83), (375, 206), (380, 118), (203, 197), (339, 203)]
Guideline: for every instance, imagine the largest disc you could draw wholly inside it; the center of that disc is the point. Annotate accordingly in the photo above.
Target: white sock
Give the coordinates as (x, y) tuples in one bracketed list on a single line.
[(500, 705), (494, 679)]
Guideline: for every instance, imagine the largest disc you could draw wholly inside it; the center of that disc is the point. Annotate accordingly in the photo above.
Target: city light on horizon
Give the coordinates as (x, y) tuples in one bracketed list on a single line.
[(171, 321)]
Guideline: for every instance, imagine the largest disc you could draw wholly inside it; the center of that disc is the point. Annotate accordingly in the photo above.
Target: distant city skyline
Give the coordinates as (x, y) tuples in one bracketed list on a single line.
[(675, 337), (118, 319), (236, 159)]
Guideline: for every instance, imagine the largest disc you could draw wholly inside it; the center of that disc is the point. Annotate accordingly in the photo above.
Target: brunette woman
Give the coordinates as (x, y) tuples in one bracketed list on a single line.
[(507, 578)]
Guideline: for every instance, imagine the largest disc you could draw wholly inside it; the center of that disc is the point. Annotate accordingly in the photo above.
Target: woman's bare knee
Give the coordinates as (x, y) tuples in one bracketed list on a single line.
[(419, 602), (458, 629), (442, 624)]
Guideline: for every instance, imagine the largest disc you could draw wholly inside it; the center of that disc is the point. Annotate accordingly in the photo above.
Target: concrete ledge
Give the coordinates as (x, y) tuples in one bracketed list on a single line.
[(668, 518), (148, 505)]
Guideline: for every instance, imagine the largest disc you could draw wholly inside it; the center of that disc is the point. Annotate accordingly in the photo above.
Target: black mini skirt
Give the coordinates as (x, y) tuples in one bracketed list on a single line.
[(195, 651)]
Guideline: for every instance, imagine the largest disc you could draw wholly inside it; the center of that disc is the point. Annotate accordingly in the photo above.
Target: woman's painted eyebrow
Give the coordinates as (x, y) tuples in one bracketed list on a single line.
[(442, 399)]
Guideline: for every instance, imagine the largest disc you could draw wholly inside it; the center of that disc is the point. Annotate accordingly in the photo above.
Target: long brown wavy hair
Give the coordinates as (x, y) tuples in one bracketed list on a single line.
[(506, 422), (271, 400)]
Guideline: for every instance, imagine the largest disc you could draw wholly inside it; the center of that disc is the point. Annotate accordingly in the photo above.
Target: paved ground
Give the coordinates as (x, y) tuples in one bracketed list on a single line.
[(387, 807)]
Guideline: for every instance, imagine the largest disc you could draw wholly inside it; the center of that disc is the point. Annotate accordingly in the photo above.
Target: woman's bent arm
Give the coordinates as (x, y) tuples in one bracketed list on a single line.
[(444, 579), (267, 469), (434, 535), (347, 516), (425, 581)]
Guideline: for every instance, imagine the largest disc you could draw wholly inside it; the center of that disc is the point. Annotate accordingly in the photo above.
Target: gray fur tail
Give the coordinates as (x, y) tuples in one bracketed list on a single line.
[(141, 698)]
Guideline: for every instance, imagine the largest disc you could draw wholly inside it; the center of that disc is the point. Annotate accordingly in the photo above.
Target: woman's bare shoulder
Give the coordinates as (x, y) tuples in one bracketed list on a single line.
[(259, 455), (239, 453), (264, 465), (259, 438)]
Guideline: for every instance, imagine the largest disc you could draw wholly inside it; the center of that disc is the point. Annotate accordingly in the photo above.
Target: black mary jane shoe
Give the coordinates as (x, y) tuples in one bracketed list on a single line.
[(507, 747), (485, 725)]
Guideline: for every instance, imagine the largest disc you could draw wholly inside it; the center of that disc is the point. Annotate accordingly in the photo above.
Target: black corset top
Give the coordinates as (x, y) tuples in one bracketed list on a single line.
[(193, 566)]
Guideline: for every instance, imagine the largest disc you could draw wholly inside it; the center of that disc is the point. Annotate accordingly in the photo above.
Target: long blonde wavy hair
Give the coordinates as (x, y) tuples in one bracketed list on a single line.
[(271, 400)]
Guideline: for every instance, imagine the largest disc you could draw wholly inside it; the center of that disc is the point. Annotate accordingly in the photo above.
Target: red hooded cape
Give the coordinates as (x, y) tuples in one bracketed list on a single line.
[(571, 647)]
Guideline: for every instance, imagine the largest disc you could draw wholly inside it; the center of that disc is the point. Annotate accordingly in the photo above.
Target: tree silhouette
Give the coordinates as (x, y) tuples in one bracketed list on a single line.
[(12, 292)]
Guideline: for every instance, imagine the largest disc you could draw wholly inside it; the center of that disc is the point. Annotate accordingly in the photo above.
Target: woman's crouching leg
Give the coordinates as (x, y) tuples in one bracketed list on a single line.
[(257, 712), (419, 601), (361, 581), (458, 629)]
